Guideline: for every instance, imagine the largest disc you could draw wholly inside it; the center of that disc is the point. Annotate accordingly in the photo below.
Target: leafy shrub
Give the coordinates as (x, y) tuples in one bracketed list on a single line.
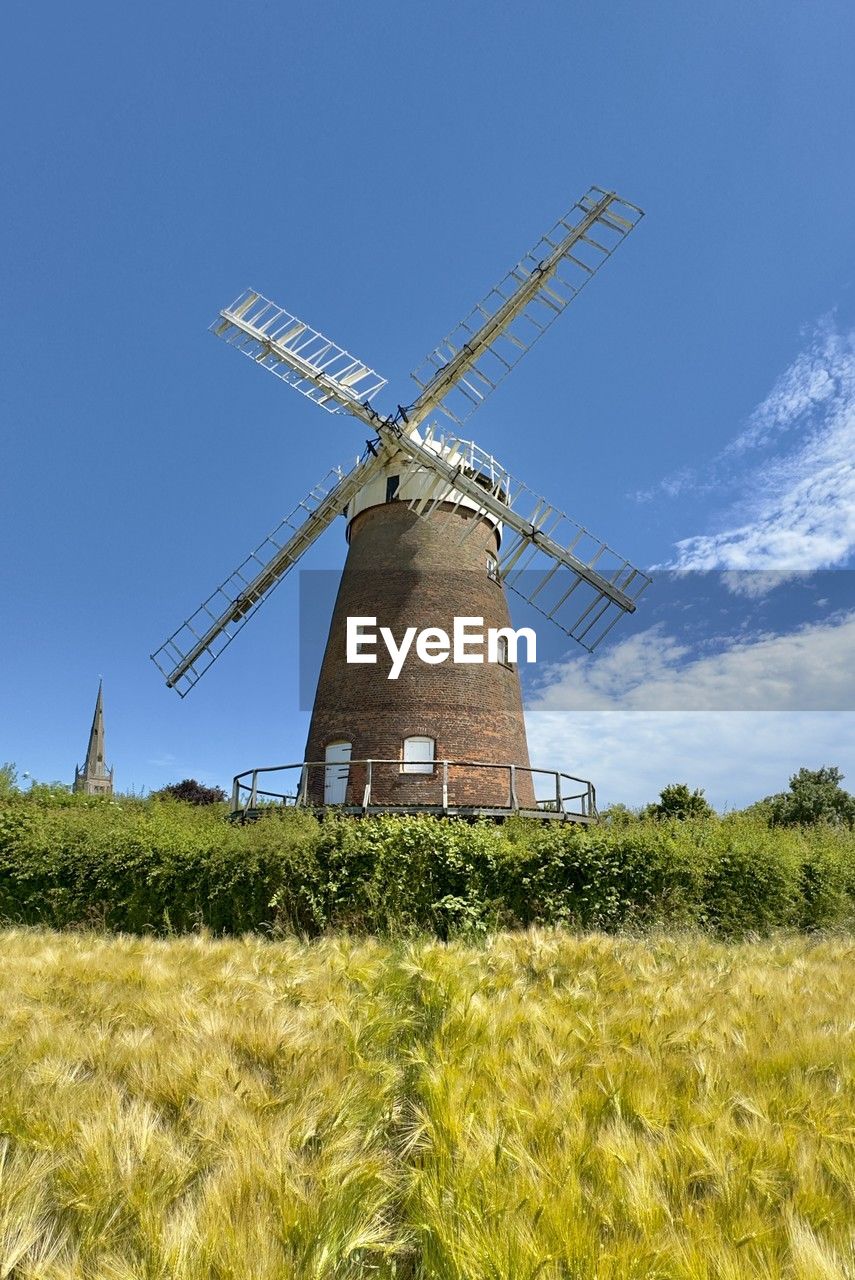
[(193, 792), (677, 801), (161, 865)]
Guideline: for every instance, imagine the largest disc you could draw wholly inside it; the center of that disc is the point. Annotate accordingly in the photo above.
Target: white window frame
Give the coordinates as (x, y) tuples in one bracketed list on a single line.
[(492, 567), (418, 754)]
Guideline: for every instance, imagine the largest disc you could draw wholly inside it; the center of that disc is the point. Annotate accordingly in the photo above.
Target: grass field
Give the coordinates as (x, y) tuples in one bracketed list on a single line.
[(541, 1105)]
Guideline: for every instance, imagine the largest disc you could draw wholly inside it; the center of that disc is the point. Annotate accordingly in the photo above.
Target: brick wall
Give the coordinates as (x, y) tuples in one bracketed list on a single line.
[(407, 571)]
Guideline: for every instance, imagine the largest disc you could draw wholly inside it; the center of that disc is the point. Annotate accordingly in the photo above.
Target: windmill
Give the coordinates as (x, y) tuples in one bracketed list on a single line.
[(436, 529)]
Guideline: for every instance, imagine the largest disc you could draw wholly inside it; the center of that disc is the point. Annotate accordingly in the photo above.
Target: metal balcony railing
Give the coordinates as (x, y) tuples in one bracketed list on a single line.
[(445, 786)]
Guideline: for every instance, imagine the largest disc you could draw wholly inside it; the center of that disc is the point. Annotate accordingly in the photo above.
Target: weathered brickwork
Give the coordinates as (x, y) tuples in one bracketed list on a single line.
[(411, 572)]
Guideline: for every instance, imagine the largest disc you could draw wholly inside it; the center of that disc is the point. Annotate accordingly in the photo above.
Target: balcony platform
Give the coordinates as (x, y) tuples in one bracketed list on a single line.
[(559, 797)]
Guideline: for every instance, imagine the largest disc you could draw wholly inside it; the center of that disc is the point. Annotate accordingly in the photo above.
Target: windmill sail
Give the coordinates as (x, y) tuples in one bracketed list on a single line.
[(571, 577), (200, 640), (298, 354), (474, 358), (561, 568)]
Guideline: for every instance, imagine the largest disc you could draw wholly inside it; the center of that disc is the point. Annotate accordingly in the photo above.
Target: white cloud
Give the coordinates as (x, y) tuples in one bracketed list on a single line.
[(810, 668), (736, 756), (756, 583), (797, 510), (819, 374), (672, 485), (804, 515), (742, 714)]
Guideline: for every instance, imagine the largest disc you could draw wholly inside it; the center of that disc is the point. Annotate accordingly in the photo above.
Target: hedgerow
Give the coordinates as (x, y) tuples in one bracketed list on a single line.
[(163, 866)]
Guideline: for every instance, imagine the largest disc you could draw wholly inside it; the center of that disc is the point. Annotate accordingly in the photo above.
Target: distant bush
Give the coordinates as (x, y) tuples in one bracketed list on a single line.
[(677, 801), (193, 792), (137, 865)]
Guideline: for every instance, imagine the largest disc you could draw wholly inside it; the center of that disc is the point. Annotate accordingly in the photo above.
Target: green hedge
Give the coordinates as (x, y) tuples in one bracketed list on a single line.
[(157, 865)]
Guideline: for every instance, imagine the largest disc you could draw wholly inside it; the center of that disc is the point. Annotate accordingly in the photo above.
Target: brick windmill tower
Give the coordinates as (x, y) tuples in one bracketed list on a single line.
[(436, 529)]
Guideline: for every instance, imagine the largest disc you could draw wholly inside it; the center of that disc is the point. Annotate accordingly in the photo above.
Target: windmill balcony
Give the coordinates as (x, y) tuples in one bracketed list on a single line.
[(445, 788)]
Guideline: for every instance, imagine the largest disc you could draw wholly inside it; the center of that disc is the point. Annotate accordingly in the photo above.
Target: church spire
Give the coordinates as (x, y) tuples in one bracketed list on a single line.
[(95, 778)]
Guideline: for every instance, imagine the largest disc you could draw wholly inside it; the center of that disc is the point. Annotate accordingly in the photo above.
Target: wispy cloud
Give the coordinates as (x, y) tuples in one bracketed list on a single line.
[(795, 510), (168, 763), (819, 375), (671, 486), (804, 513), (164, 761), (736, 714), (756, 583)]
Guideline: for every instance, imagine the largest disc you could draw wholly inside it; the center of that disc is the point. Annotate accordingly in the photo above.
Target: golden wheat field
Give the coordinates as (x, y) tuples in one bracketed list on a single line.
[(539, 1105)]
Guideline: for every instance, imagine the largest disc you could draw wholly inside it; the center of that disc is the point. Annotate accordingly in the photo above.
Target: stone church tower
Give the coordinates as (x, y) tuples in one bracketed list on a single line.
[(95, 779)]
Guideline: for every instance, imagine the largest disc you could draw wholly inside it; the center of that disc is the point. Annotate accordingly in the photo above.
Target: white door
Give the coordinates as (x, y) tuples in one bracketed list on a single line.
[(336, 773)]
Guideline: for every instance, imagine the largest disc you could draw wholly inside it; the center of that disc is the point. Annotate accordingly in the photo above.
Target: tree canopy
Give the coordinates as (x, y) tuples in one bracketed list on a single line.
[(677, 801), (8, 779), (815, 796), (193, 792)]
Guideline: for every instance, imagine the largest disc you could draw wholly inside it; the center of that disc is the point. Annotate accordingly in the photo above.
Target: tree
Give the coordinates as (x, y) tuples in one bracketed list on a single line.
[(8, 780), (815, 796), (193, 792), (619, 815), (677, 801)]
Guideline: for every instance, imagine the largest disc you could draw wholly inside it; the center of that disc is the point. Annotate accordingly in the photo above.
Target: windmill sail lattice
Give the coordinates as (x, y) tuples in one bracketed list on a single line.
[(458, 375), (571, 577), (298, 354), (186, 655), (567, 573)]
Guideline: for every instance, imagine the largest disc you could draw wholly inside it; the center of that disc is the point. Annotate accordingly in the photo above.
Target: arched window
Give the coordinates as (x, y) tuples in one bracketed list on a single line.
[(418, 755)]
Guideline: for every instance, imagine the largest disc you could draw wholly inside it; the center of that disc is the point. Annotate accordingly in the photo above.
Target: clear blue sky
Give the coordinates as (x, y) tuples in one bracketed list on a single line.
[(375, 168)]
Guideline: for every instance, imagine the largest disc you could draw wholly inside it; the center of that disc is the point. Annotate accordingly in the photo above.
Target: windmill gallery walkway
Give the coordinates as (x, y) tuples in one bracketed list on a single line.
[(363, 787)]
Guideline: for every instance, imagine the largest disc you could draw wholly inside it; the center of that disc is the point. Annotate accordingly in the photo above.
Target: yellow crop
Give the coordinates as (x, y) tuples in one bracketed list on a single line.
[(540, 1106)]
